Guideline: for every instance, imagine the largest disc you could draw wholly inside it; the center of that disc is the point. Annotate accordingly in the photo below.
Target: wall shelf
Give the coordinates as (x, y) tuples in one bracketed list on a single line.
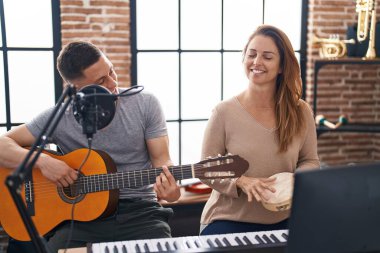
[(358, 128), (318, 65)]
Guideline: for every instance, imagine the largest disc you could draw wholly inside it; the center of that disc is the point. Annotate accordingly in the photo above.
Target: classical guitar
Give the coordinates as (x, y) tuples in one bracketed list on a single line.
[(96, 190)]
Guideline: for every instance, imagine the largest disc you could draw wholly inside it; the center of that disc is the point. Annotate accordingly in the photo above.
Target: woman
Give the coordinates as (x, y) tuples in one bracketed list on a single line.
[(267, 124)]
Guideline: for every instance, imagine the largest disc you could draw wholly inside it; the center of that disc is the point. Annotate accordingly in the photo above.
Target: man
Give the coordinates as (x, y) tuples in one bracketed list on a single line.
[(135, 139)]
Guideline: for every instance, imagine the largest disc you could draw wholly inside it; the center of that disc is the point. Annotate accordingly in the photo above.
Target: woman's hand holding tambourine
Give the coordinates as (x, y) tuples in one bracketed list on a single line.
[(255, 187), (275, 192)]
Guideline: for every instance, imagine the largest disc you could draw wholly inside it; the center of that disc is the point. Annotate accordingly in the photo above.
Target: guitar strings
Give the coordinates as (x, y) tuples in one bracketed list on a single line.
[(117, 178)]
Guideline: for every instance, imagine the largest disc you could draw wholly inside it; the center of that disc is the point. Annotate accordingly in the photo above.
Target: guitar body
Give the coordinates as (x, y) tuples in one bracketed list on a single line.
[(51, 205)]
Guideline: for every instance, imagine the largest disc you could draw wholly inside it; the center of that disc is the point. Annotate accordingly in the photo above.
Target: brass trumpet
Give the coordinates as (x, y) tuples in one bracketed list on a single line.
[(332, 47), (365, 8)]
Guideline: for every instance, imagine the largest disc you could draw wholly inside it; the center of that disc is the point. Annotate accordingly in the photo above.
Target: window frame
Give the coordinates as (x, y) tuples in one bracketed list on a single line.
[(134, 51), (58, 82)]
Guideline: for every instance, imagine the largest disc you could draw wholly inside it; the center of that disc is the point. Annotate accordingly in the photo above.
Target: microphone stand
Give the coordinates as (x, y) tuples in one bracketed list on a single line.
[(14, 181)]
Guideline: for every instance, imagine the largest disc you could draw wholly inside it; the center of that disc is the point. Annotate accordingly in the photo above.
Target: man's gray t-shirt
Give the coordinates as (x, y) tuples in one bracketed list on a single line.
[(137, 119)]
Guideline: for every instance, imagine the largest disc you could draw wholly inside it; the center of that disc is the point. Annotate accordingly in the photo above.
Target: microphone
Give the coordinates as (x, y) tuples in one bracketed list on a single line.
[(94, 108)]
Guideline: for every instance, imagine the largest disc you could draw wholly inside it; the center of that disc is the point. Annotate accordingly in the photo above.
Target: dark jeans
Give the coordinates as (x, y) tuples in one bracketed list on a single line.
[(134, 219), (226, 226), (15, 246)]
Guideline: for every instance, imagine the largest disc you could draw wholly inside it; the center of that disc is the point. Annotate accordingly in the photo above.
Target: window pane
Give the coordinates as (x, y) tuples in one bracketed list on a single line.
[(31, 81), (200, 79), (234, 78), (157, 24), (201, 24), (158, 73), (3, 130), (29, 23), (173, 141), (3, 116), (237, 25), (289, 21), (298, 56), (192, 137)]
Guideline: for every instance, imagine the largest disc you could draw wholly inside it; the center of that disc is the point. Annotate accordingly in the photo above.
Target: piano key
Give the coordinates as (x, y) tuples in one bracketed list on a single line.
[(264, 235), (239, 241), (155, 245), (258, 238), (160, 248), (226, 242), (198, 243), (95, 248), (274, 238), (218, 242), (250, 236), (158, 245), (131, 246), (146, 247), (168, 246), (191, 242), (266, 238), (176, 245), (137, 248), (246, 240), (102, 247), (188, 244), (119, 247), (279, 235), (231, 239), (203, 242), (210, 243)]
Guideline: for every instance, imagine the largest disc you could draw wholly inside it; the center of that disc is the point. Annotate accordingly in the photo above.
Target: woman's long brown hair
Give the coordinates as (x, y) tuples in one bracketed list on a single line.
[(288, 111)]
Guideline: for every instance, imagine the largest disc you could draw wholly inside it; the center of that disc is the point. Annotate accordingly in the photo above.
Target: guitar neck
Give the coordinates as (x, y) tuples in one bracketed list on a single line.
[(128, 179)]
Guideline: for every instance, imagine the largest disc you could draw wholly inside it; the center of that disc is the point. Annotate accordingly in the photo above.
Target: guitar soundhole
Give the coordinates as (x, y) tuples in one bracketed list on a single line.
[(72, 193)]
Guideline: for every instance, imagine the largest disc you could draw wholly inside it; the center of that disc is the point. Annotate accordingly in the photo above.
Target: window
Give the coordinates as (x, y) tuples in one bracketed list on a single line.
[(29, 44), (188, 53)]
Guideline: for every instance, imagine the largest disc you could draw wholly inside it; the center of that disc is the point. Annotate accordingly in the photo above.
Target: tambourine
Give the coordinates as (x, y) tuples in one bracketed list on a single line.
[(280, 200)]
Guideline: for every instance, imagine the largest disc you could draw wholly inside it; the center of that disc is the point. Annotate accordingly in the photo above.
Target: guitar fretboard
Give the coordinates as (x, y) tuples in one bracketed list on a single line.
[(129, 179)]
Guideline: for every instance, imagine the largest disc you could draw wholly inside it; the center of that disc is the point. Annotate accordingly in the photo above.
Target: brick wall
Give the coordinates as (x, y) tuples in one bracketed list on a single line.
[(104, 23), (353, 90)]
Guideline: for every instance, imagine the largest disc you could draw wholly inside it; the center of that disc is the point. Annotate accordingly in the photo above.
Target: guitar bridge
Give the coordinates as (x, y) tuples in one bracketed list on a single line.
[(29, 197)]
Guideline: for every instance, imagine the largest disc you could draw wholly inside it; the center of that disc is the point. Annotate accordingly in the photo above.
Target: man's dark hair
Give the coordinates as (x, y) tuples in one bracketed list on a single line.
[(76, 57)]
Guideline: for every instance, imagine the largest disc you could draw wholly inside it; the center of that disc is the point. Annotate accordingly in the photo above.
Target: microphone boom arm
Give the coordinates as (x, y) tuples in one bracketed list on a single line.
[(15, 180)]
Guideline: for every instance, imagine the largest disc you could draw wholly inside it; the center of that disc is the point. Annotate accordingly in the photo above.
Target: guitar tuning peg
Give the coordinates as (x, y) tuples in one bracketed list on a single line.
[(222, 180), (212, 181), (219, 155)]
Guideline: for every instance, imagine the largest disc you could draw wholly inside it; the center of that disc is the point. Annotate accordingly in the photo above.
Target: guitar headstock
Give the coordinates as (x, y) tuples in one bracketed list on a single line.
[(228, 166)]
